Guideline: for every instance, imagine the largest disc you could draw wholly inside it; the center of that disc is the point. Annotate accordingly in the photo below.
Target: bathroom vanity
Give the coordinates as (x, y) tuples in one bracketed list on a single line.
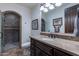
[(51, 41), (45, 46)]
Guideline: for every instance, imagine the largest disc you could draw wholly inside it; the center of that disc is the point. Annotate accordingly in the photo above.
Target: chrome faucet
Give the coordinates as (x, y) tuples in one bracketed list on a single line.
[(49, 35)]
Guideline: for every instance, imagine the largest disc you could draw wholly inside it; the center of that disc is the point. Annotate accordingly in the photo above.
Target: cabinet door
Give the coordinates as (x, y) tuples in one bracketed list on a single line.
[(60, 53), (44, 47), (40, 52), (32, 48)]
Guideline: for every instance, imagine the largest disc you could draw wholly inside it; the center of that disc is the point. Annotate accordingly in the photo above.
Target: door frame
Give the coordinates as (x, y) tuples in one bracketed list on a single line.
[(20, 36)]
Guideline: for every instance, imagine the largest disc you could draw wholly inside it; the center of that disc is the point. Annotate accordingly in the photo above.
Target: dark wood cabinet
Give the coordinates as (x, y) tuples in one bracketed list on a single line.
[(32, 48), (40, 52), (41, 49), (70, 15), (60, 53), (45, 48)]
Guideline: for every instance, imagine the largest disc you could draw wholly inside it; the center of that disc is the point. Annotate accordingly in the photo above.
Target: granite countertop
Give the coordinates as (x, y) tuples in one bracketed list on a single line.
[(67, 45), (64, 34)]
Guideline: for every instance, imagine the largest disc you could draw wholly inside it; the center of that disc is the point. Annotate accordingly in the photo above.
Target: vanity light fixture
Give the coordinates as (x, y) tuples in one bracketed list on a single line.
[(49, 6), (58, 4), (42, 8), (45, 10)]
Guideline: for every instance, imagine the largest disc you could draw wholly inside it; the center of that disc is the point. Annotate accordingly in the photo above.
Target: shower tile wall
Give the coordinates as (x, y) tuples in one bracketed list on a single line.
[(11, 37), (11, 22)]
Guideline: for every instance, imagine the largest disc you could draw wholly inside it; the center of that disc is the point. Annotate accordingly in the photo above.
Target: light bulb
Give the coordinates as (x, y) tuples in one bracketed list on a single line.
[(51, 7), (45, 10), (42, 8), (47, 4), (58, 4)]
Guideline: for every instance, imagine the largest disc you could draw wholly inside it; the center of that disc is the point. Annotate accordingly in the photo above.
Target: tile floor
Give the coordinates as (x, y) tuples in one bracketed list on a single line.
[(17, 52), (10, 46)]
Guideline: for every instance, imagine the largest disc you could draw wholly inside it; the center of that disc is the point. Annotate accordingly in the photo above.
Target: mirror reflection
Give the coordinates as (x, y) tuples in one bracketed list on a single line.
[(60, 17)]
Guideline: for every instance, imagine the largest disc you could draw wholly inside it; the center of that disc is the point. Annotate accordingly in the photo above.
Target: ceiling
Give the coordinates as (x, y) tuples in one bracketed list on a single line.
[(29, 5), (32, 5)]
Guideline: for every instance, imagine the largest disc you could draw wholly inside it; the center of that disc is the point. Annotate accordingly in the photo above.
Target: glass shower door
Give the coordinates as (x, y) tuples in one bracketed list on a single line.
[(0, 32)]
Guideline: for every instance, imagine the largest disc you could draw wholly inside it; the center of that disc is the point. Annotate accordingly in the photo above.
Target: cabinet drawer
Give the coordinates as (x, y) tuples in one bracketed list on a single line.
[(47, 49)]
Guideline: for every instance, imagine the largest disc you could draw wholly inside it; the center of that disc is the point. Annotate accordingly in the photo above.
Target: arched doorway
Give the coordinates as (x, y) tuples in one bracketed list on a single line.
[(11, 30), (42, 25)]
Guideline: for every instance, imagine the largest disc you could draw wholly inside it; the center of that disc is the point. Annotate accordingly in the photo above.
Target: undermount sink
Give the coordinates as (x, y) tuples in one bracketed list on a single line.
[(47, 38)]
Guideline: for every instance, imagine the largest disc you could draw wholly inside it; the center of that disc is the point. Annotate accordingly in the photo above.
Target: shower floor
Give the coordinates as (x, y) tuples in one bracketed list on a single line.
[(10, 46)]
